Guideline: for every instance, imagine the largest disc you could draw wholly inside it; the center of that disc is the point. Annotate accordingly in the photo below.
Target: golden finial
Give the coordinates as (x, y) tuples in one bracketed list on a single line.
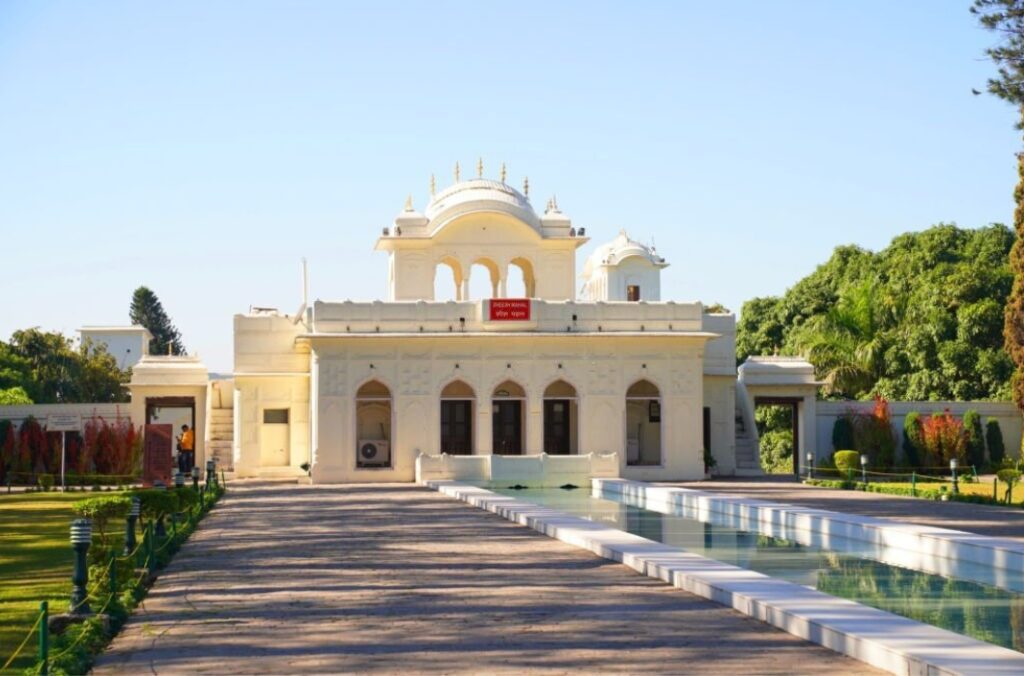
[(457, 172), (554, 202), (433, 185), (480, 168), (408, 203), (502, 172), (526, 186)]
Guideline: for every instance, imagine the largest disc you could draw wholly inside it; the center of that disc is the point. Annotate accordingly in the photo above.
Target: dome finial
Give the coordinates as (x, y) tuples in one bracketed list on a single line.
[(457, 172), (526, 186), (502, 172), (433, 185), (554, 203), (408, 203), (480, 168)]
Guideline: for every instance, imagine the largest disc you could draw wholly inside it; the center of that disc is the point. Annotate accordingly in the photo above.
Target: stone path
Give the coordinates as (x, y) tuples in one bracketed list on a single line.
[(396, 578), (981, 519)]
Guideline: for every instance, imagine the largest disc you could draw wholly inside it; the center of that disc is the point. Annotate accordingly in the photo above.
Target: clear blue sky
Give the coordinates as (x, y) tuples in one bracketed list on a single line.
[(203, 148)]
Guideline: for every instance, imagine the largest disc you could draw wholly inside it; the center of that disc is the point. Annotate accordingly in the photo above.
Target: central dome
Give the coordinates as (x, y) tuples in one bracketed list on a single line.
[(480, 194)]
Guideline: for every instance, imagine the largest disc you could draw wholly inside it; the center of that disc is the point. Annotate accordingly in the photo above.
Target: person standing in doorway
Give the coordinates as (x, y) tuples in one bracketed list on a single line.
[(186, 450)]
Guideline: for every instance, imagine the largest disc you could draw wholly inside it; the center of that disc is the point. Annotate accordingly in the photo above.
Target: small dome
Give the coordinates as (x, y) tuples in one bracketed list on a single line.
[(480, 194), (618, 250)]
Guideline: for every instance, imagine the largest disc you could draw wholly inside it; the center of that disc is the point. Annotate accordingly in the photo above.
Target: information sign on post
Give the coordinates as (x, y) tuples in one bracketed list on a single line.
[(63, 423)]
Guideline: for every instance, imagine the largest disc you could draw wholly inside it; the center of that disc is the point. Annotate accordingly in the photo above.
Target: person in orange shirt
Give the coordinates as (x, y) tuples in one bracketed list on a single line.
[(186, 450)]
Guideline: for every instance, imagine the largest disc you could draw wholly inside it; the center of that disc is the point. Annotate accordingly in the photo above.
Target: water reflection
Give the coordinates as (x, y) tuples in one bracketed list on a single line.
[(971, 608)]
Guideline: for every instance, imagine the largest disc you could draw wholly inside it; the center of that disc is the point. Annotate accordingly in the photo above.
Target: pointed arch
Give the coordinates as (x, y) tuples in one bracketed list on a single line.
[(508, 420), (484, 279), (374, 425), (643, 424), (525, 286), (561, 418), (458, 410), (448, 279)]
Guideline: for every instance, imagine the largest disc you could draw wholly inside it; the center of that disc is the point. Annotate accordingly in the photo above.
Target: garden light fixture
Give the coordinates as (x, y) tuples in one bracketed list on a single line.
[(81, 538)]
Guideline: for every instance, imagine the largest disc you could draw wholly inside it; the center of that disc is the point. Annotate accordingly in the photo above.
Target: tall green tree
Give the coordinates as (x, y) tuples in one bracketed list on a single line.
[(921, 319), (1006, 19), (48, 368), (147, 310)]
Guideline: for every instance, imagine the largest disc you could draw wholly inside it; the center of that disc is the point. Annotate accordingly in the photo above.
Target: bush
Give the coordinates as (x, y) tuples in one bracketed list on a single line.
[(1008, 477), (975, 439), (842, 434), (944, 438), (101, 510), (156, 503), (777, 452), (994, 437), (45, 482), (913, 441), (872, 434), (846, 460)]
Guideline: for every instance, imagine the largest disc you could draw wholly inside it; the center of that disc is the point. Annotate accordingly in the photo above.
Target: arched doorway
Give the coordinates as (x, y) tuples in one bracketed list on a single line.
[(507, 418), (643, 424), (561, 419), (373, 425), (457, 404)]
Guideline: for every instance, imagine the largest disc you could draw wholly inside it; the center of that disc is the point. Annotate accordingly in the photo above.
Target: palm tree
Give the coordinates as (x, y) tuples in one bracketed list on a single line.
[(847, 344)]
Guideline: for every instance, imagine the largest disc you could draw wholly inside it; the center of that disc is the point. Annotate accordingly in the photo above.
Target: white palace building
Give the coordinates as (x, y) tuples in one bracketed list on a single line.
[(359, 389), (588, 368)]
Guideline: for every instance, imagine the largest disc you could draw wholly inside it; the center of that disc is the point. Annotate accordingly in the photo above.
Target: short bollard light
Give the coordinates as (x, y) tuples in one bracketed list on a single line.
[(864, 467), (129, 526), (810, 465), (210, 477), (952, 468), (195, 479), (179, 480), (81, 538)]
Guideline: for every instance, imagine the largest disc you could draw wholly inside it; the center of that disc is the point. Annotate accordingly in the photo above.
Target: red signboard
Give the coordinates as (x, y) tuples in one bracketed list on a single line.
[(156, 455), (510, 310)]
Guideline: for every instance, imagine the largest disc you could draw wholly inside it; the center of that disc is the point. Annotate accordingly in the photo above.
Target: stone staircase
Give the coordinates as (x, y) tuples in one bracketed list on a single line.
[(748, 462), (222, 435)]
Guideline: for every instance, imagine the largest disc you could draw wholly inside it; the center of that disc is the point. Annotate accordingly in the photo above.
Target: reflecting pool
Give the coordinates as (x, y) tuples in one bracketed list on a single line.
[(982, 611)]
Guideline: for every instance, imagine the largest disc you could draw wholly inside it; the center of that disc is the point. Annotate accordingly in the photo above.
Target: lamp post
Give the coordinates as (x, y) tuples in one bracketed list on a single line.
[(952, 468), (209, 472), (129, 526), (179, 480), (81, 538), (810, 465), (195, 479), (864, 467)]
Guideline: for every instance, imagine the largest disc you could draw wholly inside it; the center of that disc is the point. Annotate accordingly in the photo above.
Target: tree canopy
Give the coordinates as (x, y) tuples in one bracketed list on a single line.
[(45, 367), (920, 320), (147, 310), (1006, 19)]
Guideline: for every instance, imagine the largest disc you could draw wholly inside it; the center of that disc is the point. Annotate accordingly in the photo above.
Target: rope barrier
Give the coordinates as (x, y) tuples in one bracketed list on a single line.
[(21, 647)]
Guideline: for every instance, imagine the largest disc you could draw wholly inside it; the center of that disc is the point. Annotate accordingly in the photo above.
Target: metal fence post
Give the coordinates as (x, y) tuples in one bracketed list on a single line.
[(44, 638), (913, 484)]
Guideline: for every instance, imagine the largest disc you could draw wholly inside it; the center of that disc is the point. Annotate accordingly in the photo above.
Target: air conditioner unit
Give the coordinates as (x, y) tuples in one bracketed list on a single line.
[(375, 452)]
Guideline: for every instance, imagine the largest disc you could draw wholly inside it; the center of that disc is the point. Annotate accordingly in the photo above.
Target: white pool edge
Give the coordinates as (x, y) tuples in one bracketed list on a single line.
[(930, 540), (878, 638)]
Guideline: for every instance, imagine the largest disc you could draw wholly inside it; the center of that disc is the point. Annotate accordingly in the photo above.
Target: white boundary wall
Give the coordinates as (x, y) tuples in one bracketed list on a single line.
[(537, 471), (109, 412), (1004, 411)]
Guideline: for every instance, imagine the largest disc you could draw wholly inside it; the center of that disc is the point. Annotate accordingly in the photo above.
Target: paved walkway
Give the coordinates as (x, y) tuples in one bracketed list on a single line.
[(982, 519), (396, 578)]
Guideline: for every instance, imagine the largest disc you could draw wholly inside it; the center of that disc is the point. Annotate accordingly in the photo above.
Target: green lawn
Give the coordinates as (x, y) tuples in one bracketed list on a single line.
[(35, 563)]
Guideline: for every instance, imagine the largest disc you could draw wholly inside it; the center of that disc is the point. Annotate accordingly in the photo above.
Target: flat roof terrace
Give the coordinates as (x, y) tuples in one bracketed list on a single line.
[(535, 315)]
